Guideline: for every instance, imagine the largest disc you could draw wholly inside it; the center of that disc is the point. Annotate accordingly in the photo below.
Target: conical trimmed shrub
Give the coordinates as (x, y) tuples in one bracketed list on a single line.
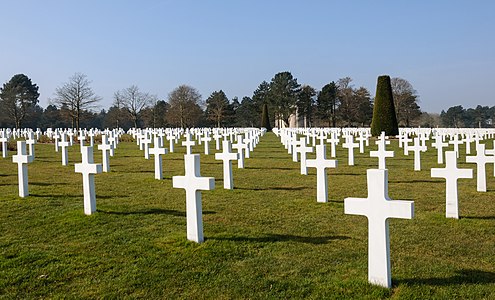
[(384, 118), (265, 121)]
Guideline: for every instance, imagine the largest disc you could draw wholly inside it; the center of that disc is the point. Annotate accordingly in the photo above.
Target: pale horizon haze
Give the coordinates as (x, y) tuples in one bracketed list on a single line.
[(445, 49)]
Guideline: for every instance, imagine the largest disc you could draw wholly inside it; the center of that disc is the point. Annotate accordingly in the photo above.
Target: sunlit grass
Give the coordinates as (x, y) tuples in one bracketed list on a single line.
[(267, 238)]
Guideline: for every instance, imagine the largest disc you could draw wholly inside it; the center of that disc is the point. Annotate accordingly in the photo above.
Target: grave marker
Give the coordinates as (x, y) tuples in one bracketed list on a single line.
[(158, 151), (22, 159), (321, 163), (480, 159), (88, 169), (378, 208), (451, 174), (193, 183), (227, 156)]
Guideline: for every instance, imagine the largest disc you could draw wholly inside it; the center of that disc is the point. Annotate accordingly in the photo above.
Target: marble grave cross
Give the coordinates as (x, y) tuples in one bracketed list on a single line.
[(378, 208), (381, 153), (88, 169), (480, 159), (451, 174), (22, 158), (321, 163), (193, 183), (188, 143), (227, 156), (158, 151), (105, 149)]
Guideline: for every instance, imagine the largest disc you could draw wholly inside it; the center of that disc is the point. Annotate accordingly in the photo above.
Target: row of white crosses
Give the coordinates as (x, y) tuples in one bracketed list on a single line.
[(378, 207), (194, 183), (88, 168)]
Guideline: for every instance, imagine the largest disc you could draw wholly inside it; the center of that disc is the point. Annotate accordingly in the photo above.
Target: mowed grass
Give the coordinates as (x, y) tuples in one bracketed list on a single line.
[(266, 239)]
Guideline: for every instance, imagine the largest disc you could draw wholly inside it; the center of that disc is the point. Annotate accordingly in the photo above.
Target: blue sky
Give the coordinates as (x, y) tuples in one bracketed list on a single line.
[(445, 49)]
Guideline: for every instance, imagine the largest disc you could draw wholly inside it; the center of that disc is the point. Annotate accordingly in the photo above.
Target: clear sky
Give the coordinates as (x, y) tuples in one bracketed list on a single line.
[(445, 49)]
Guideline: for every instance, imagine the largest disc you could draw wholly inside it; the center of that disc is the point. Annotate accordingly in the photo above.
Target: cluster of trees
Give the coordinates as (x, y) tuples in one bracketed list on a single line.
[(75, 104), (457, 116)]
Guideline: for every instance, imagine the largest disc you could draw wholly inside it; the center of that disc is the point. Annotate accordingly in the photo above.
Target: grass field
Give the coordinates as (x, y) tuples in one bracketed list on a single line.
[(266, 239)]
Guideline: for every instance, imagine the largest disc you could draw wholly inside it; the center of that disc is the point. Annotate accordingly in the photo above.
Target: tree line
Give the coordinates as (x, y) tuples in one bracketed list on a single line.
[(75, 104)]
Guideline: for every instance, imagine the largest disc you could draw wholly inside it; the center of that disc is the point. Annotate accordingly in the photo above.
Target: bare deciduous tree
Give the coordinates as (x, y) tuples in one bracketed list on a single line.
[(76, 95), (185, 109), (134, 101)]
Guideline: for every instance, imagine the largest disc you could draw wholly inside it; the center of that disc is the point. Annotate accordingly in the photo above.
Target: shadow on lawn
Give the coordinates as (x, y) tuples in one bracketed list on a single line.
[(417, 181), (273, 238), (47, 183), (275, 188), (272, 168), (152, 211), (479, 217), (55, 196), (464, 276)]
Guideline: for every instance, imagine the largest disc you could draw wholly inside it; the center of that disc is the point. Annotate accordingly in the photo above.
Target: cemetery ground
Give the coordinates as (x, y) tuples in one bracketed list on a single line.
[(267, 238)]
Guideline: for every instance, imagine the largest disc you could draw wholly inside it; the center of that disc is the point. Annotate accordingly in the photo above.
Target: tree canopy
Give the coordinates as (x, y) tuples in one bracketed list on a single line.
[(17, 97)]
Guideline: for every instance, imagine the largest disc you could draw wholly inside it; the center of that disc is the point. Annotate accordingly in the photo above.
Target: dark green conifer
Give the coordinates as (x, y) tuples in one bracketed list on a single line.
[(384, 118)]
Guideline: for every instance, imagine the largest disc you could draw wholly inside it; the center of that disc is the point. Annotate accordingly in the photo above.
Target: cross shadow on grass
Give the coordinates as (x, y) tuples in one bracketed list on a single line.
[(274, 238), (55, 196), (152, 211), (464, 276), (47, 183), (273, 188), (417, 181), (479, 217), (272, 168)]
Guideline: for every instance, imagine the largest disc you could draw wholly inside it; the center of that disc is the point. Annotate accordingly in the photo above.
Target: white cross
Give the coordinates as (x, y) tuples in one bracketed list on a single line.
[(361, 140), (91, 135), (145, 142), (206, 139), (64, 144), (112, 139), (193, 183), (468, 139), (105, 148), (4, 140), (56, 136), (456, 142), (378, 208), (417, 149), (451, 173), (297, 144), (30, 142), (334, 141), (88, 169), (70, 134), (158, 151), (321, 163), (171, 140), (405, 142), (381, 153), (240, 149), (480, 159), (492, 153), (227, 156), (81, 138), (217, 136), (350, 145), (22, 159), (303, 150), (439, 144), (188, 143)]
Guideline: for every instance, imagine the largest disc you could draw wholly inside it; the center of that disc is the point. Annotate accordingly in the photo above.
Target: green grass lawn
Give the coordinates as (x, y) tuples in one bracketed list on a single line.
[(266, 239)]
